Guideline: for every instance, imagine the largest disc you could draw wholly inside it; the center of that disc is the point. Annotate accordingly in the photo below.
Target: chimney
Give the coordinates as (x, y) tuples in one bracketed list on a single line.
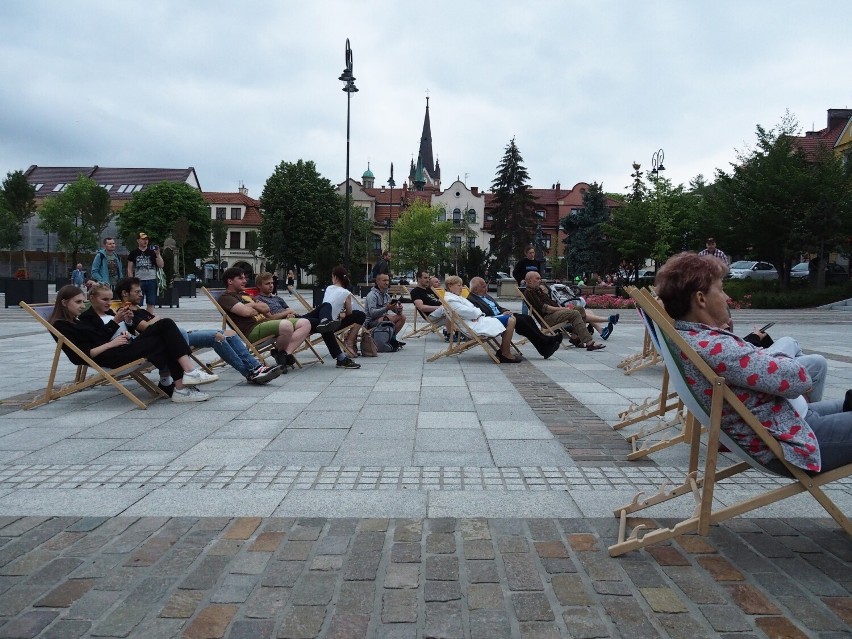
[(243, 190), (838, 116), (474, 190)]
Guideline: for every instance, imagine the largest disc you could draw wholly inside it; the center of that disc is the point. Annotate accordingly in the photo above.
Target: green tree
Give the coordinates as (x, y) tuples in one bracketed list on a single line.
[(360, 226), (300, 212), (514, 207), (827, 221), (19, 196), (761, 201), (252, 245), (78, 215), (589, 249), (157, 209), (420, 237)]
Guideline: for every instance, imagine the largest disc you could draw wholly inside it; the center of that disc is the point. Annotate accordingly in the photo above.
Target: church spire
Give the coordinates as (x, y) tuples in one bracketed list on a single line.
[(426, 143)]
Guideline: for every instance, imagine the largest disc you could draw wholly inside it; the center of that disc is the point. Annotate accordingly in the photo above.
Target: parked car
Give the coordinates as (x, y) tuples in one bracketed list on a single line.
[(501, 276), (746, 270), (834, 273)]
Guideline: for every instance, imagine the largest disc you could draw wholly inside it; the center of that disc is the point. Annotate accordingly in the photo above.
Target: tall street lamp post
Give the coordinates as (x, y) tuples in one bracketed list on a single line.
[(388, 220), (657, 163), (349, 88)]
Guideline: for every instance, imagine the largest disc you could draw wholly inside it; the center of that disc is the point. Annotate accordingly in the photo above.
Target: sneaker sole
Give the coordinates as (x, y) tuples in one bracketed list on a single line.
[(266, 377), (194, 398)]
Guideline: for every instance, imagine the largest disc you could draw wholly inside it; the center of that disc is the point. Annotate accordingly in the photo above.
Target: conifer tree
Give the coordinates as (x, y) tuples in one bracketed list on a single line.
[(514, 207)]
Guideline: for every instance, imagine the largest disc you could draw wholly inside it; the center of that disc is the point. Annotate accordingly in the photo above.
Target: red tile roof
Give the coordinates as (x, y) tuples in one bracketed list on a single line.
[(252, 215), (810, 143)]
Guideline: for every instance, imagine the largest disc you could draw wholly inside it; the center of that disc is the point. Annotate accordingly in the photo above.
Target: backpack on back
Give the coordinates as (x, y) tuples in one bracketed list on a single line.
[(383, 337)]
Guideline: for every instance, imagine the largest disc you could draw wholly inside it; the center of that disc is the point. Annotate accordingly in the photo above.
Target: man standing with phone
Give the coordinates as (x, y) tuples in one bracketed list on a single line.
[(143, 263)]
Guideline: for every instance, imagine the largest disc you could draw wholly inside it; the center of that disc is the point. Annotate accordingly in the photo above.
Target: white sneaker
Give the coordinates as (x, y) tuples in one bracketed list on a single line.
[(198, 377), (188, 394)]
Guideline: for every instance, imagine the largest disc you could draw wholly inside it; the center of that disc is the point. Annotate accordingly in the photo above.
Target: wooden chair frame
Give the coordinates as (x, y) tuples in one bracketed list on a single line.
[(671, 344), (338, 335), (262, 346), (134, 370), (455, 323)]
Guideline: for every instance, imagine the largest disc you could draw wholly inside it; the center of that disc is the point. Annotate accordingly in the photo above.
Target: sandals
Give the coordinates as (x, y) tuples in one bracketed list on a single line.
[(591, 346)]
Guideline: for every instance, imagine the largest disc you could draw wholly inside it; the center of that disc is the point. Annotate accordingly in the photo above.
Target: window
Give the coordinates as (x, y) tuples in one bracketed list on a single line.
[(220, 212), (456, 241), (59, 187), (235, 213), (37, 187), (107, 187), (546, 242), (471, 241), (377, 244), (489, 217), (235, 240), (457, 216), (471, 216), (138, 188), (540, 213)]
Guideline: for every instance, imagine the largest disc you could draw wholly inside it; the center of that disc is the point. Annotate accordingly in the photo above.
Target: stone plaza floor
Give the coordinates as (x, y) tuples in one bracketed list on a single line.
[(455, 498)]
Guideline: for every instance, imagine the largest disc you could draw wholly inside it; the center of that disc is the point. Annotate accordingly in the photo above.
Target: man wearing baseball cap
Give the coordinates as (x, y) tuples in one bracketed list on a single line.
[(143, 263)]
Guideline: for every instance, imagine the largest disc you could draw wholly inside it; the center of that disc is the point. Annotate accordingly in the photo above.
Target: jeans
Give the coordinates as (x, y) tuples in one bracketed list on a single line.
[(833, 430), (231, 349)]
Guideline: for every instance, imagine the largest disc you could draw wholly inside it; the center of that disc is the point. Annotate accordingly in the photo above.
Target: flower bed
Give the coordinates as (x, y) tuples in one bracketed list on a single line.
[(608, 301)]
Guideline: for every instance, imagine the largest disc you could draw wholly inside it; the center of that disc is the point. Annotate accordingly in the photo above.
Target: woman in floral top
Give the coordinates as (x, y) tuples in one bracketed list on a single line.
[(815, 437)]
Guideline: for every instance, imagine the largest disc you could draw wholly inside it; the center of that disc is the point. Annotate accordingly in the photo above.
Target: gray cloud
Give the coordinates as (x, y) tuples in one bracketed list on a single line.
[(235, 88)]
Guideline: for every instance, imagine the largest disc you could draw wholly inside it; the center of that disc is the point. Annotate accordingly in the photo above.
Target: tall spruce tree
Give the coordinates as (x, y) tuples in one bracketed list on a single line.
[(19, 196), (589, 250), (514, 207)]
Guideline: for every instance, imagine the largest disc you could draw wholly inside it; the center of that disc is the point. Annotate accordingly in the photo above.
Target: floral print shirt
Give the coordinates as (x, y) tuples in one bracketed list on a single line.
[(764, 382)]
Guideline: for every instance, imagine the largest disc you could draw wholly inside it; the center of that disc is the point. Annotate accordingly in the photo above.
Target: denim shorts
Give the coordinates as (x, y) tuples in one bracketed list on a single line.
[(149, 290)]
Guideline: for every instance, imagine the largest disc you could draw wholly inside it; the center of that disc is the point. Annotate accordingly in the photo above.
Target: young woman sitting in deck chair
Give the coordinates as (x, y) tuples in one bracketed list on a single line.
[(816, 437), (110, 346)]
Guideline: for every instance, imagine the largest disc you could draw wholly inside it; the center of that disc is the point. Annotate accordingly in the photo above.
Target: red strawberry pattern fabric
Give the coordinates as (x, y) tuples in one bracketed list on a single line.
[(763, 382)]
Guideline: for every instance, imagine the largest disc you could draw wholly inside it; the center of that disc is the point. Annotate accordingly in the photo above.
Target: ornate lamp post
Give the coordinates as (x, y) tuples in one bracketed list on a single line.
[(657, 163), (389, 219), (349, 88)]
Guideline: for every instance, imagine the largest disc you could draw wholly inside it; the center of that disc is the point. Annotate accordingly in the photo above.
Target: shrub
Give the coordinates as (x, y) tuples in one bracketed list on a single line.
[(751, 294)]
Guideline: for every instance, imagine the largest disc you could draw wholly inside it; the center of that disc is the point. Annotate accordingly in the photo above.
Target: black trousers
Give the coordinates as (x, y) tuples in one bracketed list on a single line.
[(323, 312), (525, 326), (161, 344)]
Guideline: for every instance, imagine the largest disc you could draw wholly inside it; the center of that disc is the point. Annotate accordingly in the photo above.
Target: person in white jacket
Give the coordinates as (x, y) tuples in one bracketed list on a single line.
[(479, 322)]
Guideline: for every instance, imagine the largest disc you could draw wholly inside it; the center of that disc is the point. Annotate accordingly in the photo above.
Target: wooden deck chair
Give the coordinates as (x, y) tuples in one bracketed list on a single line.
[(671, 345), (315, 340), (648, 356), (260, 348), (113, 376), (428, 325), (546, 328)]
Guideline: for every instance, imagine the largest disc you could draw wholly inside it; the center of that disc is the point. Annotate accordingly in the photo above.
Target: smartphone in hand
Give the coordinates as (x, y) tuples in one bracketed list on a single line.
[(763, 329)]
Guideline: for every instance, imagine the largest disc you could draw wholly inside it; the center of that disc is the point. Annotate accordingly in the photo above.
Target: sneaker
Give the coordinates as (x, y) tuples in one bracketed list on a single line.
[(188, 394), (605, 333), (168, 389), (198, 377), (327, 326), (613, 319), (347, 363), (290, 359), (263, 374)]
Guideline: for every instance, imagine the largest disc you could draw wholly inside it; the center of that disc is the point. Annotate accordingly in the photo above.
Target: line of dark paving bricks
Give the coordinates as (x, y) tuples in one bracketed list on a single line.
[(466, 578), (589, 440)]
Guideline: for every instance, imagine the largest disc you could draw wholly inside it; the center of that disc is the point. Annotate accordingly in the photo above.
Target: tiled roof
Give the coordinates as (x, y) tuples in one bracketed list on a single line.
[(252, 214), (810, 143), (51, 176)]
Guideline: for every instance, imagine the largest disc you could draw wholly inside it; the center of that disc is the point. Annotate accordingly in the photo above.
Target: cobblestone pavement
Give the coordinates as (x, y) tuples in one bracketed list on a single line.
[(346, 578), (405, 499)]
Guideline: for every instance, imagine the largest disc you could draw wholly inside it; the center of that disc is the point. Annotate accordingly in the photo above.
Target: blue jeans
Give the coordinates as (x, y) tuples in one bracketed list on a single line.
[(149, 290), (231, 349), (833, 430)]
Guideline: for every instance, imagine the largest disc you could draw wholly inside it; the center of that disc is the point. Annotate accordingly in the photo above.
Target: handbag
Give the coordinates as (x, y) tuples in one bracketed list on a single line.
[(368, 345)]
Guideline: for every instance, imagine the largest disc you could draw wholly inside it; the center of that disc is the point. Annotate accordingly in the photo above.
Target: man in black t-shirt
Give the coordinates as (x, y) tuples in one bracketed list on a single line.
[(143, 262), (425, 299)]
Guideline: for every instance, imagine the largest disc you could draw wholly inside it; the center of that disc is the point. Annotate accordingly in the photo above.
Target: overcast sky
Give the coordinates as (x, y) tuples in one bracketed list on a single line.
[(233, 87)]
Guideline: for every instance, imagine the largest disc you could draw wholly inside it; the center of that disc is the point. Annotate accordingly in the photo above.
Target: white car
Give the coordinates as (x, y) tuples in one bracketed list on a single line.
[(746, 270)]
